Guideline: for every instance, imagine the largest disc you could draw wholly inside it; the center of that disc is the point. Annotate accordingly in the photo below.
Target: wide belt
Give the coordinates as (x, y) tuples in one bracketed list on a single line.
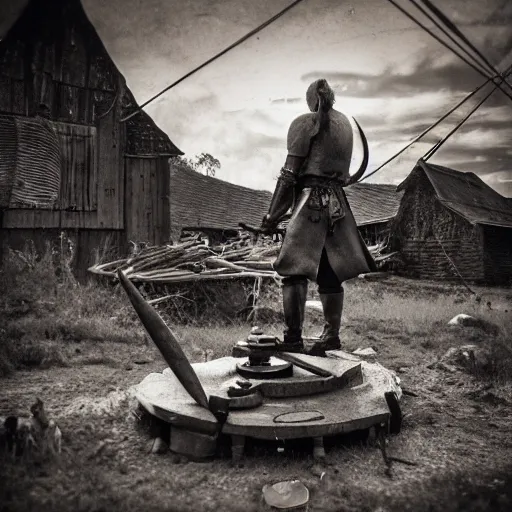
[(326, 194)]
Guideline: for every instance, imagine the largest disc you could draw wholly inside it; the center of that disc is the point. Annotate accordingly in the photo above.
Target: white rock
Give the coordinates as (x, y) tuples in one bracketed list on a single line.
[(365, 352), (461, 319)]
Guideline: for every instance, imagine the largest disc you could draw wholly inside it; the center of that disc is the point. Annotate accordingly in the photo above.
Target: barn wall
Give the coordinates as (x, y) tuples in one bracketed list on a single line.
[(61, 63), (428, 235), (86, 244), (497, 253), (147, 213)]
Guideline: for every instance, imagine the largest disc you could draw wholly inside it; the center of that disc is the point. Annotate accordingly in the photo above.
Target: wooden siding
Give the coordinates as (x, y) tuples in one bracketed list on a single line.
[(147, 200), (79, 173), (429, 235), (426, 258), (91, 197)]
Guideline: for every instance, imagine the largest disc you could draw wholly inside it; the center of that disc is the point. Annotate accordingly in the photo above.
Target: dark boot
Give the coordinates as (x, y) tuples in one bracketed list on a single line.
[(294, 305), (332, 304)]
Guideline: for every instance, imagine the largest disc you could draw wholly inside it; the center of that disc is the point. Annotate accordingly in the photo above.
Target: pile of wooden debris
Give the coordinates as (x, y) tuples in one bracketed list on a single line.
[(192, 259)]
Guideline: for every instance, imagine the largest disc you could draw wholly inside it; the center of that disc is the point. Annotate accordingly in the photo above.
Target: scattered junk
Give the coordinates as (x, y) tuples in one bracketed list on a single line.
[(261, 393), (25, 436), (288, 495)]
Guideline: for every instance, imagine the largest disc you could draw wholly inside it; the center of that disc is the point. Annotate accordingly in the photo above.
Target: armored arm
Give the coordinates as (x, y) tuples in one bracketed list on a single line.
[(284, 193)]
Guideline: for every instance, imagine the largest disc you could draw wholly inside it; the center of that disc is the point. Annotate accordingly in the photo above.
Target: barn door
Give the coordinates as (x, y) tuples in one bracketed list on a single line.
[(147, 200)]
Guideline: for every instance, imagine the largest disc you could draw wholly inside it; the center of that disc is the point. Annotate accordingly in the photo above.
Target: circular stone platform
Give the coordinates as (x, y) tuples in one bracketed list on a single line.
[(279, 416)]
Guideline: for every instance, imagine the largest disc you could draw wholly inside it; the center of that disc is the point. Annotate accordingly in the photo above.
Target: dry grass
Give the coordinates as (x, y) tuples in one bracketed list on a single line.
[(45, 312), (93, 350)]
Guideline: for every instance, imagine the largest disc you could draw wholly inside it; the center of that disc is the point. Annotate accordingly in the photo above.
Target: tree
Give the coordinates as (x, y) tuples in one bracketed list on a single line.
[(203, 163)]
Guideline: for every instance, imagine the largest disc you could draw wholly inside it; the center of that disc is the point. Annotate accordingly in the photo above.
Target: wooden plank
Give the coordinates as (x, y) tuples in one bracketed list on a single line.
[(79, 220), (31, 218), (74, 57), (79, 165), (109, 162)]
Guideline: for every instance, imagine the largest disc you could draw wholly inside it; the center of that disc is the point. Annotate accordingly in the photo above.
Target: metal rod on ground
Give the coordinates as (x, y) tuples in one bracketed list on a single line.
[(454, 266)]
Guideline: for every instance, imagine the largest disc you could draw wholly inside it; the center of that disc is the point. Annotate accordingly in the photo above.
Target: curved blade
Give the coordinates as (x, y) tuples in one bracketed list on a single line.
[(166, 342)]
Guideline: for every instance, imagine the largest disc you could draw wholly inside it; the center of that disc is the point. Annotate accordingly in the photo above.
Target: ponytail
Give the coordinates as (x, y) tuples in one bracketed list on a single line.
[(325, 95), (320, 99)]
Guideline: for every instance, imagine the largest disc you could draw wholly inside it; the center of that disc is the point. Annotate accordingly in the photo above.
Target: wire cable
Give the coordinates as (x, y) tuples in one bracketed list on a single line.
[(435, 148), (431, 127), (437, 38), (215, 57), (425, 12), (459, 33)]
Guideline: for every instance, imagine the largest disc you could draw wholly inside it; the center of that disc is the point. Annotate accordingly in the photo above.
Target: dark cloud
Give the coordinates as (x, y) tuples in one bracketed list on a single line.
[(425, 78)]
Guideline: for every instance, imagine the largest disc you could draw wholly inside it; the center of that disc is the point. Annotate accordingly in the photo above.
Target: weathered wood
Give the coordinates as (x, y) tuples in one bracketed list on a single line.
[(166, 342), (109, 167), (341, 410), (53, 55)]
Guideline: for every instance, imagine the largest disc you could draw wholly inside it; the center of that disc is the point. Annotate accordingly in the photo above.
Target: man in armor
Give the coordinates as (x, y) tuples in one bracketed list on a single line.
[(322, 242)]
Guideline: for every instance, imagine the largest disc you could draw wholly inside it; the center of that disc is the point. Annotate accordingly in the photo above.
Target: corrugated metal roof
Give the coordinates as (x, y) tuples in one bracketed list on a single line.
[(199, 201), (467, 195), (372, 202)]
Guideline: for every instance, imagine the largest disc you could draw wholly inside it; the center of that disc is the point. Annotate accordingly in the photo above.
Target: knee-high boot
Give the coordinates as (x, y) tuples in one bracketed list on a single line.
[(332, 304), (294, 305)]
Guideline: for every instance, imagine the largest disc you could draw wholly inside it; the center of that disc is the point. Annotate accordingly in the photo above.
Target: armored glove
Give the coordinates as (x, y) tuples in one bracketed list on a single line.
[(282, 200)]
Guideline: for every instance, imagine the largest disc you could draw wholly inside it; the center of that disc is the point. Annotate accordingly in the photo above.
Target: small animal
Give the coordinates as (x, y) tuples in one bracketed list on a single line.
[(22, 436), (47, 433)]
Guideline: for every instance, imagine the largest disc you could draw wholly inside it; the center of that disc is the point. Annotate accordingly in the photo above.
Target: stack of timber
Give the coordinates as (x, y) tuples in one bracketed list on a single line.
[(193, 260)]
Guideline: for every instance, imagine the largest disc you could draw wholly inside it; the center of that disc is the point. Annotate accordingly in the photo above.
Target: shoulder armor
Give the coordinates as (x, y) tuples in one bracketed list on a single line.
[(301, 131)]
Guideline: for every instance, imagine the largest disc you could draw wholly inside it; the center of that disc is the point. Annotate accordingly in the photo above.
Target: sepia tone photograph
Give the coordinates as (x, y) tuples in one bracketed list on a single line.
[(256, 255)]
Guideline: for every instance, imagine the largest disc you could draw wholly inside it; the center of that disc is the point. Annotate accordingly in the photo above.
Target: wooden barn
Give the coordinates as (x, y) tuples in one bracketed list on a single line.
[(374, 206), (211, 206), (450, 224), (67, 162)]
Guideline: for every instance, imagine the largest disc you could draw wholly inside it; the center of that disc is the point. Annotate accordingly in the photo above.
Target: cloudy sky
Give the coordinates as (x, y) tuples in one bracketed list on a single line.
[(387, 73)]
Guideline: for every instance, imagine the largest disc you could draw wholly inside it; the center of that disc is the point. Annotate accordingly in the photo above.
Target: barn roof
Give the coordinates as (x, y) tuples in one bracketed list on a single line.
[(372, 203), (50, 21), (466, 194), (199, 201)]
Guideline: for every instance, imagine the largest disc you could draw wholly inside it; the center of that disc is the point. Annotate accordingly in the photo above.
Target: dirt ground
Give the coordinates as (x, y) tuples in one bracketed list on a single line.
[(457, 432)]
